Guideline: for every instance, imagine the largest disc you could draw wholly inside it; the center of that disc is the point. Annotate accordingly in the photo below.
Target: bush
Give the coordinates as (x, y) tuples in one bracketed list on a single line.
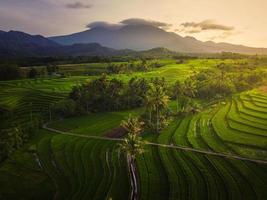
[(9, 72), (65, 108), (33, 73)]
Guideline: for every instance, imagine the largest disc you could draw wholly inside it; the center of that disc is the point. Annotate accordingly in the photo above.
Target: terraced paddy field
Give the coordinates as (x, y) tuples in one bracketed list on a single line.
[(83, 168), (172, 71), (95, 68), (89, 124), (60, 166), (28, 99)]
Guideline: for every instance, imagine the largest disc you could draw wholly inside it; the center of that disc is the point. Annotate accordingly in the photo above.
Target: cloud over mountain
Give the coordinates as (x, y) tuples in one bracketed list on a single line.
[(104, 24), (197, 27), (130, 22), (139, 21)]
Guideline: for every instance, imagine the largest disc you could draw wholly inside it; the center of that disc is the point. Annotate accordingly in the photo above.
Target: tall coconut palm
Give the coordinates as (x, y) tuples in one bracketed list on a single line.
[(157, 100), (150, 106), (132, 145), (189, 88), (177, 91)]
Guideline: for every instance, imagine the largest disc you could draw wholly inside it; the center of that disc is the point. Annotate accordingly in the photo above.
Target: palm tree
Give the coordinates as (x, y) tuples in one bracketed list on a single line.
[(150, 106), (157, 101), (177, 91), (195, 108), (189, 88), (132, 145)]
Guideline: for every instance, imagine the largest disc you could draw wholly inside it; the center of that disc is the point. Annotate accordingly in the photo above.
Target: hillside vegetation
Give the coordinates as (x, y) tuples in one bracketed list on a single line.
[(51, 165)]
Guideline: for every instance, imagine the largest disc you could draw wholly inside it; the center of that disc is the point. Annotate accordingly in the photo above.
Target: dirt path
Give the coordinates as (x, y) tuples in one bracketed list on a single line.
[(80, 135), (264, 89), (160, 145)]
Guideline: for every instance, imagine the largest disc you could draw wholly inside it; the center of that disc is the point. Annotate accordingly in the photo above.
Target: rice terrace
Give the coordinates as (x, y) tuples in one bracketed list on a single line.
[(135, 109)]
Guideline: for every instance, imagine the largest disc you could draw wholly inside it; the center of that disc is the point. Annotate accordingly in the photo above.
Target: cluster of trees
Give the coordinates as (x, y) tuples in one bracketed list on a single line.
[(224, 80), (10, 140), (124, 67), (52, 68), (103, 94), (57, 60), (129, 67), (184, 93), (13, 135), (156, 104), (11, 71), (106, 94)]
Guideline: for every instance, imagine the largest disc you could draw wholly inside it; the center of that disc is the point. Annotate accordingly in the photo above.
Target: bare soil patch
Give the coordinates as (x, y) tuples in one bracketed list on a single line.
[(264, 88), (116, 132)]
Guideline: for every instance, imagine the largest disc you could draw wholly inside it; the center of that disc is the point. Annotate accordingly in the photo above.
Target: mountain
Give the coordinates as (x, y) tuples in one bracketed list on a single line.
[(15, 43), (93, 42), (92, 49), (143, 37), (17, 39), (19, 44)]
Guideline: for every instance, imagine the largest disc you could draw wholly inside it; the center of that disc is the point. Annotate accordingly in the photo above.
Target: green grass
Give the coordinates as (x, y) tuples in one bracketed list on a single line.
[(80, 168), (22, 177), (89, 124)]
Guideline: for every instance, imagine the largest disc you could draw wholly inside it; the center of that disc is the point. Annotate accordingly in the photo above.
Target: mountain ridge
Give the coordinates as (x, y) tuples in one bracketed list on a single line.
[(20, 44), (143, 37)]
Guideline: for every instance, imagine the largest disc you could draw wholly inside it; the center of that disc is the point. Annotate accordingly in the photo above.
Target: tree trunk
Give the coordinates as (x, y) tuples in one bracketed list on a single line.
[(177, 104), (157, 120), (133, 178), (150, 116), (50, 114)]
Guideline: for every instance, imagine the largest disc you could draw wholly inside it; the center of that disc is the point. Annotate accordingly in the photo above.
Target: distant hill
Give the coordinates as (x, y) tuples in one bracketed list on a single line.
[(19, 44), (146, 41), (143, 37), (157, 52), (15, 43)]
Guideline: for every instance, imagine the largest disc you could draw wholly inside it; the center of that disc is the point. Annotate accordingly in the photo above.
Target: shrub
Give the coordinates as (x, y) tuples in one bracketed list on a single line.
[(65, 108)]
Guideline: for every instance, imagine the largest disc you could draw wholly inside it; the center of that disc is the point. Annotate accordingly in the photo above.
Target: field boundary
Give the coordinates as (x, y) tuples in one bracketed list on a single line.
[(158, 144)]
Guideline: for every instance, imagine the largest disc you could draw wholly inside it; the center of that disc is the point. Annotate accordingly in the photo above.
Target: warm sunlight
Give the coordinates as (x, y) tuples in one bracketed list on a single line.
[(133, 100), (247, 18)]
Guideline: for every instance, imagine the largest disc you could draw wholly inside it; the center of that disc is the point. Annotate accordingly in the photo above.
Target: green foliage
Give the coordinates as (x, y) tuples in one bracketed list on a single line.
[(11, 139), (136, 92), (226, 79), (9, 72), (51, 68), (65, 108), (103, 94), (100, 94), (88, 168), (156, 103), (132, 145), (33, 73), (141, 66)]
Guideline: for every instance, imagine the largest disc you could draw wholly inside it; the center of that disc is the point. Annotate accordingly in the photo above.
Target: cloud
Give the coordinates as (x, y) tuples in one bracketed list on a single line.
[(206, 25), (138, 21), (104, 24), (131, 21), (224, 35), (78, 5)]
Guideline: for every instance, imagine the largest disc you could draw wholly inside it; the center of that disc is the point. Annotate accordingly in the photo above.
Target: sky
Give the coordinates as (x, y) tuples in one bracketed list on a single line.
[(234, 21)]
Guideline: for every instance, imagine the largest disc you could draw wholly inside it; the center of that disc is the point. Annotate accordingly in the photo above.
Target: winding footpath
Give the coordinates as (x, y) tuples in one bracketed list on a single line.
[(160, 145)]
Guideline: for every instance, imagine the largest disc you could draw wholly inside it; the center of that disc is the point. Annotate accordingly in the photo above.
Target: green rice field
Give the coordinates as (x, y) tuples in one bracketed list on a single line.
[(61, 166)]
